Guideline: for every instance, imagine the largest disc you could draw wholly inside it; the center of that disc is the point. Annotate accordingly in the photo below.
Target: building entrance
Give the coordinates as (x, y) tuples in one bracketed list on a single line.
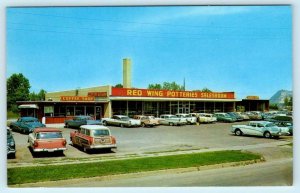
[(98, 111)]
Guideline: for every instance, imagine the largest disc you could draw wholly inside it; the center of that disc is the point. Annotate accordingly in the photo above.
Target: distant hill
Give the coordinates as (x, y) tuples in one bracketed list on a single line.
[(279, 96)]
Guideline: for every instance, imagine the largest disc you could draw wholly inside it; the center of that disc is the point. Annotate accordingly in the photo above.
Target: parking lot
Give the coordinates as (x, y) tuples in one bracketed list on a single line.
[(142, 140)]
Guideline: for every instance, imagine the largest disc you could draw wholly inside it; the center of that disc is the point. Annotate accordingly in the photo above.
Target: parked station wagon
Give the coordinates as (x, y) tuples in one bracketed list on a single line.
[(258, 128), (206, 118), (189, 118), (93, 137), (77, 121), (171, 120), (47, 140), (121, 120), (26, 124), (224, 117)]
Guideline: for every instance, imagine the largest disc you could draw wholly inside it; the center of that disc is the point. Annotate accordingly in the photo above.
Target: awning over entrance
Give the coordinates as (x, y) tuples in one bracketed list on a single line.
[(28, 106)]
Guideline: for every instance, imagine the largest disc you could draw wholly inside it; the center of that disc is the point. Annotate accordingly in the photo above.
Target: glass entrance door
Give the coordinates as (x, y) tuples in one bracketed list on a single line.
[(98, 112)]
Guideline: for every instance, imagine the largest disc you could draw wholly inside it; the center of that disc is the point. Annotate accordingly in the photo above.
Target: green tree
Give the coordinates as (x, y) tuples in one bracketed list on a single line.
[(119, 86), (166, 86), (203, 90), (286, 101), (38, 96), (17, 90), (206, 90), (155, 86), (273, 106), (172, 86)]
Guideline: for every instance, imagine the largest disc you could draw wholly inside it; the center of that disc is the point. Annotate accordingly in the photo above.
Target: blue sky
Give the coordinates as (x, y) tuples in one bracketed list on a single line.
[(245, 49)]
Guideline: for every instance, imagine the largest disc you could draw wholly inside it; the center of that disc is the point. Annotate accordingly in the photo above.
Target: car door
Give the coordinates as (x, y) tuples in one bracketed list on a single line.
[(253, 129)]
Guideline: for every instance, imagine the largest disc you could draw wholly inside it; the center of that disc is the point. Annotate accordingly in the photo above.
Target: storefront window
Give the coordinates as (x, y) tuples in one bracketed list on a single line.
[(79, 110), (70, 111), (49, 111), (119, 107), (150, 108), (90, 111)]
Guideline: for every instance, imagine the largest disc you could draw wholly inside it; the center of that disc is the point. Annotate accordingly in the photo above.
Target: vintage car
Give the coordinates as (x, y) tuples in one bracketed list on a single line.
[(171, 120), (147, 121), (236, 116), (189, 118), (258, 128), (254, 115), (77, 121), (93, 137), (243, 115), (206, 118), (224, 117), (122, 121), (26, 124), (11, 146), (47, 140)]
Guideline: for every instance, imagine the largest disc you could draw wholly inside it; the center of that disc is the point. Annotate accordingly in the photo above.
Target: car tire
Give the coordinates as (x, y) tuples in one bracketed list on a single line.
[(267, 134), (104, 123), (85, 149), (238, 132), (67, 126), (171, 124), (143, 125), (121, 125)]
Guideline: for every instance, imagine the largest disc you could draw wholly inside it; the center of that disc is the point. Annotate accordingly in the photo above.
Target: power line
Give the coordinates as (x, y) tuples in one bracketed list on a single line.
[(132, 36), (110, 30), (147, 23)]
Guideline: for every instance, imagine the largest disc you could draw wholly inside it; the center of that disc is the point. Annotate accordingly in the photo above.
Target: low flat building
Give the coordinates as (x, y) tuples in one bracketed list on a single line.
[(105, 101)]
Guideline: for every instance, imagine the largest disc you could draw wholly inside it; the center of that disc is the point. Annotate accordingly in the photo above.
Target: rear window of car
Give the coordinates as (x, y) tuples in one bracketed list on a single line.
[(98, 133), (48, 135)]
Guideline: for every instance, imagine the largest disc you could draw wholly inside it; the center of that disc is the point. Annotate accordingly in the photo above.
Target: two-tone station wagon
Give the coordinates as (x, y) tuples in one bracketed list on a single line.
[(93, 137)]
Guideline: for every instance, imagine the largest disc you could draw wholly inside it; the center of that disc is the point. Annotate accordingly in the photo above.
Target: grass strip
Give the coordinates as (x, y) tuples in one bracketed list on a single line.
[(83, 170)]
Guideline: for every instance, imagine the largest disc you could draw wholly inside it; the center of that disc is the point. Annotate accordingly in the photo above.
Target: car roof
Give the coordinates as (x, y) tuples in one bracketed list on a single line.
[(262, 122), (93, 127), (121, 115), (46, 129)]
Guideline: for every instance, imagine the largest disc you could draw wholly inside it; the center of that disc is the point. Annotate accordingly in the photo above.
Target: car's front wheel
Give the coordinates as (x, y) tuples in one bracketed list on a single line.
[(267, 134), (238, 132), (171, 124), (104, 123)]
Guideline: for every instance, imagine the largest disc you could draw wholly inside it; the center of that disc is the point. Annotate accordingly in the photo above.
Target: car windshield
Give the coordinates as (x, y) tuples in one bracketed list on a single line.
[(30, 120), (100, 132), (151, 117), (48, 135), (124, 118)]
